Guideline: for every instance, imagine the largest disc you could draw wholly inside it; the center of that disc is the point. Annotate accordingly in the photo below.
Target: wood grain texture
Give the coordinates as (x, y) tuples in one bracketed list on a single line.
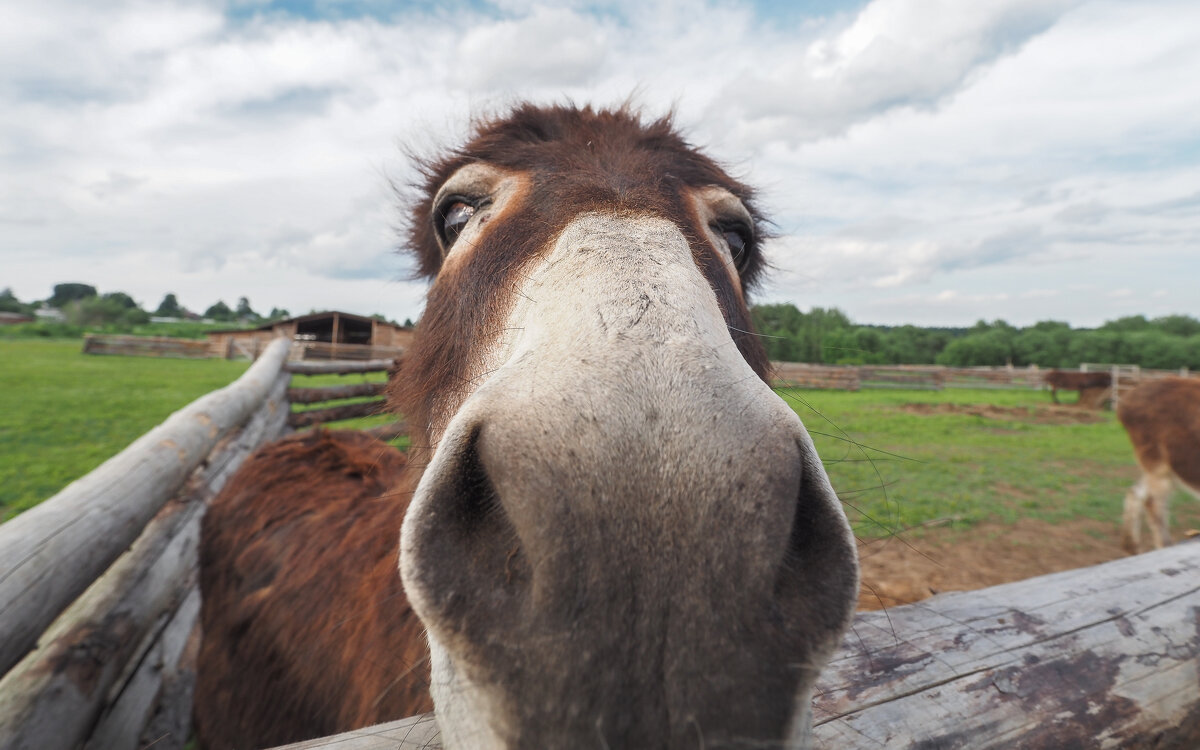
[(1099, 657)]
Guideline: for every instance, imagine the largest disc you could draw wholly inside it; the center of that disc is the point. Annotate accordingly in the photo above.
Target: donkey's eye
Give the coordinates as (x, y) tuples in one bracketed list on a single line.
[(739, 239), (452, 217)]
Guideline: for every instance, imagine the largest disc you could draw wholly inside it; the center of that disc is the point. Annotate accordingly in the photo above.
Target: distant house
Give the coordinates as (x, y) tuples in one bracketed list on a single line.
[(12, 318), (323, 335)]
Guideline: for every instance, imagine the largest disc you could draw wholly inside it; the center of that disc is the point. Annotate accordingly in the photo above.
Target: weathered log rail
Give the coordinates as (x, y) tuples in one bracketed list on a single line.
[(144, 346), (98, 585), (925, 377), (1100, 657), (341, 411)]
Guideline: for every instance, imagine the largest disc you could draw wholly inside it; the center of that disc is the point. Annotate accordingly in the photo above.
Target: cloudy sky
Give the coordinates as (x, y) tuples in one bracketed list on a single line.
[(926, 161)]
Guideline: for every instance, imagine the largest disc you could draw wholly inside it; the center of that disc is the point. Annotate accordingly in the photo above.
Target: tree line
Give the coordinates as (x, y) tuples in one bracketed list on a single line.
[(82, 305), (828, 336)]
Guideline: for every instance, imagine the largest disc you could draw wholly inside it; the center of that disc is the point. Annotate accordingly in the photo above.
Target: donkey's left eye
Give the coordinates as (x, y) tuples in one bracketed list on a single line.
[(452, 218), (738, 238)]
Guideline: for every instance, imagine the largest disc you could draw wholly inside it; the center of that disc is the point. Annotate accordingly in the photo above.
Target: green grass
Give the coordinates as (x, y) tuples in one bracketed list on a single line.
[(63, 413), (896, 470)]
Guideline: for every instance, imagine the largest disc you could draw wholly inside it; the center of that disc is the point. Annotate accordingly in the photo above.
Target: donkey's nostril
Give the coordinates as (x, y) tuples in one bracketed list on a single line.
[(459, 535)]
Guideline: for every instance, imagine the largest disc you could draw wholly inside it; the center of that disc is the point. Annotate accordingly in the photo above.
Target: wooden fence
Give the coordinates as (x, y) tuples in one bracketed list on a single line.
[(144, 346), (99, 605), (98, 584), (932, 378)]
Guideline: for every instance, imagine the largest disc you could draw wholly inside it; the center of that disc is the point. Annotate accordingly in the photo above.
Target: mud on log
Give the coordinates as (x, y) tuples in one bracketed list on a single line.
[(1100, 657)]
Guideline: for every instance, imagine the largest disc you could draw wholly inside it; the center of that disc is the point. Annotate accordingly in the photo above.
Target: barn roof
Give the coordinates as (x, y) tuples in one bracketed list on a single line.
[(307, 318)]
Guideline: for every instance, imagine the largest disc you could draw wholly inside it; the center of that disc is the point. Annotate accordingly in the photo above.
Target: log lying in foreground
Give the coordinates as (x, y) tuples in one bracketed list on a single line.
[(1105, 656), (337, 413), (334, 392), (340, 367), (51, 553)]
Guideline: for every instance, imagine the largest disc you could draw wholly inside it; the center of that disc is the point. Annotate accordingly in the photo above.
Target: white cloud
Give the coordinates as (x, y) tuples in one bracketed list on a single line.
[(994, 148), (549, 47)]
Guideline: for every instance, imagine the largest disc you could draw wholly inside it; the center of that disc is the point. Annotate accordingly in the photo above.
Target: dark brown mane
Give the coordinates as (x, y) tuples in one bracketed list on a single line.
[(582, 160), (298, 564)]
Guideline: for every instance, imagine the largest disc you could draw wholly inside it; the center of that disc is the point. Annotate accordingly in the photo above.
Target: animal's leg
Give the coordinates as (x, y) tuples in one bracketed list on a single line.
[(1158, 488), (1131, 528), (1054, 393)]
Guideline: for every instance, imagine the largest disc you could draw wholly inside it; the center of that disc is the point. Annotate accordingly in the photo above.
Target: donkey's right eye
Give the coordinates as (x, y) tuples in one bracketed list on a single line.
[(452, 218)]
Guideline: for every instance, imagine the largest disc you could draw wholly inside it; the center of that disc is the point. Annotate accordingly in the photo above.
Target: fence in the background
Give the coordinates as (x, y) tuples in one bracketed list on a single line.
[(99, 601), (319, 350), (935, 378), (144, 346)]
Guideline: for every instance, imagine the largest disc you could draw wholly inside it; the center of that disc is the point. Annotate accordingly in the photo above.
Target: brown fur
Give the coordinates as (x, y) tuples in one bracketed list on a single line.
[(1076, 381), (1162, 418), (306, 629), (581, 160), (298, 574)]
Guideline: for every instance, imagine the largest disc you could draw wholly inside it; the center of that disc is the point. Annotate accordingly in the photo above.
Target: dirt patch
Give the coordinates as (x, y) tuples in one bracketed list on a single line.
[(902, 570), (1036, 414)]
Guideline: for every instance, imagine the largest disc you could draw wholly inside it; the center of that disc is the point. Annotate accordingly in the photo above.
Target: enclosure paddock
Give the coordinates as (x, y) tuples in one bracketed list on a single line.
[(98, 608)]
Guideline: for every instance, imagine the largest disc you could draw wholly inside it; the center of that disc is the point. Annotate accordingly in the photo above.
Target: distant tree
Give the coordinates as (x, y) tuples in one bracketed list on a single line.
[(1178, 325), (64, 293), (111, 310), (219, 311), (122, 299), (244, 311), (169, 307), (991, 346), (794, 336), (10, 303), (1127, 324), (1045, 344), (279, 313), (408, 323)]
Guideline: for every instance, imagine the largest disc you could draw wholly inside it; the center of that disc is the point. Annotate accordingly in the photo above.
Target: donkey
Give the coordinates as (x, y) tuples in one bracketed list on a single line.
[(1077, 381), (618, 534), (1162, 418)]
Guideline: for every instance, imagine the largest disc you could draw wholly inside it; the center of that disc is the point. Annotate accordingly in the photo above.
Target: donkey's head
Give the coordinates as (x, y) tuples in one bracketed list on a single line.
[(623, 537)]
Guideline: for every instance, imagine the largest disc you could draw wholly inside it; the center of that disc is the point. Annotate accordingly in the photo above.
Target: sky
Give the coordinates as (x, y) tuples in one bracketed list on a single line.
[(933, 162)]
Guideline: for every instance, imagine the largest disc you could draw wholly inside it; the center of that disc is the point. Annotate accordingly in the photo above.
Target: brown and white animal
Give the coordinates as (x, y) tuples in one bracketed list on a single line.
[(1077, 381), (1162, 418), (620, 536)]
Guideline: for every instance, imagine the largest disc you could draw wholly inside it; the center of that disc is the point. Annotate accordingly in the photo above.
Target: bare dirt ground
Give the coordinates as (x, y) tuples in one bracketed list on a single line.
[(902, 570), (1049, 414)]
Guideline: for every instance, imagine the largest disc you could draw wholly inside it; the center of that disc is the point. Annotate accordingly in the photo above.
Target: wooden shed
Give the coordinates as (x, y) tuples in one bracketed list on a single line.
[(323, 335)]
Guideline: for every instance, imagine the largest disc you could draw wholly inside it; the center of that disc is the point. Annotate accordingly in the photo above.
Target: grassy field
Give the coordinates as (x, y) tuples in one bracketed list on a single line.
[(899, 459), (63, 413)]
